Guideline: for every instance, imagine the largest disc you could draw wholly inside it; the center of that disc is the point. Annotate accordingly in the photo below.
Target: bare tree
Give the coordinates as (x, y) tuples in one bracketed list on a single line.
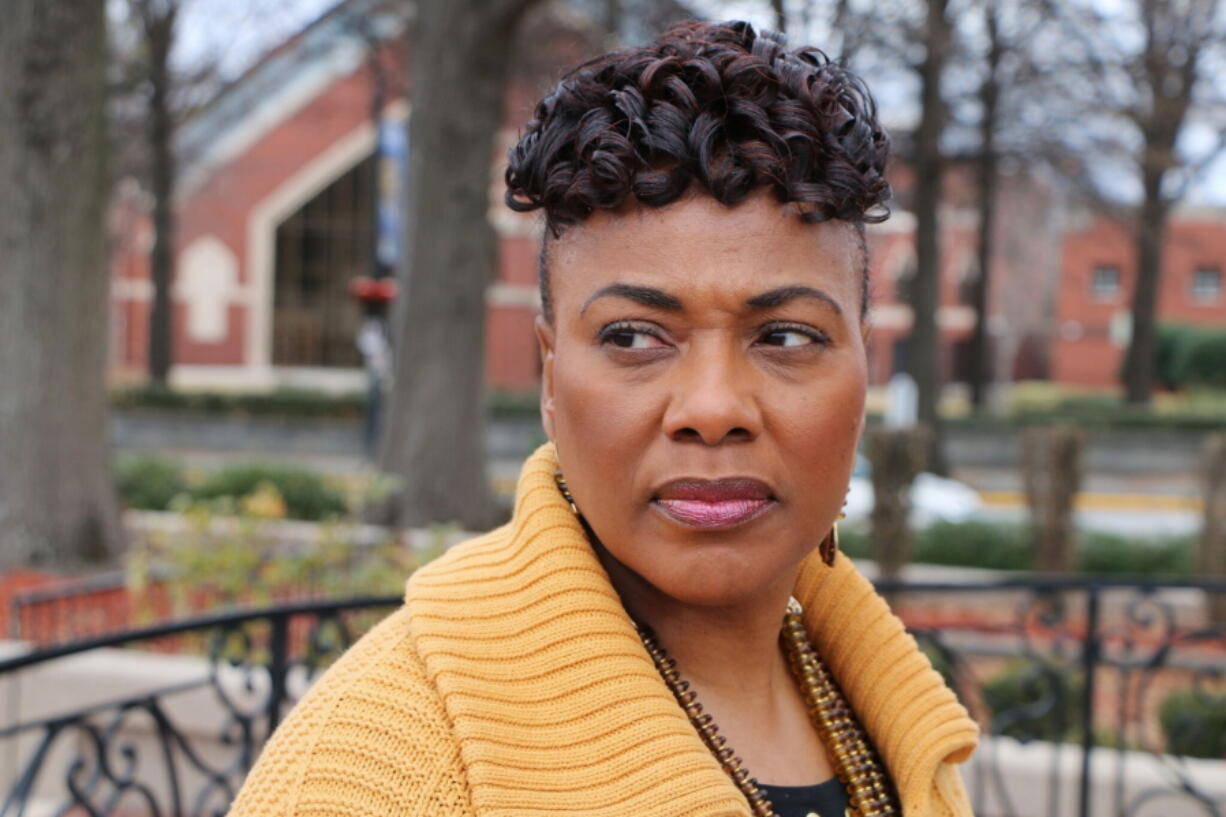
[(781, 16), (434, 439), (157, 93), (158, 21), (57, 504), (989, 100), (924, 354), (1010, 99), (1149, 73), (916, 36)]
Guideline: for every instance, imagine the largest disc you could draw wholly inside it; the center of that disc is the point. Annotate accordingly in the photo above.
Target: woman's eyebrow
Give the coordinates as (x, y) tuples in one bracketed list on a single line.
[(659, 299), (648, 296), (777, 297)]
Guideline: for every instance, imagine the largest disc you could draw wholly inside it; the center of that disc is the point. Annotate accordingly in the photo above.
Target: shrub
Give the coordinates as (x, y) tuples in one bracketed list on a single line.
[(1171, 340), (289, 402), (305, 493), (1106, 553), (517, 403), (855, 542), (974, 544), (149, 483), (235, 560), (281, 402), (1194, 724), (1189, 356), (1031, 701), (963, 544), (1198, 407), (1201, 361), (1008, 547)]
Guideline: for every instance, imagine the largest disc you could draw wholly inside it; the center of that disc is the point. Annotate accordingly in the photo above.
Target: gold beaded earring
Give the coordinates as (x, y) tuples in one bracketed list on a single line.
[(565, 489)]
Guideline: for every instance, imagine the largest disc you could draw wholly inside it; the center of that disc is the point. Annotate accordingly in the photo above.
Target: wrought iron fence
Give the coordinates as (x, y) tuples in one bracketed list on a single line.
[(175, 740), (1096, 698)]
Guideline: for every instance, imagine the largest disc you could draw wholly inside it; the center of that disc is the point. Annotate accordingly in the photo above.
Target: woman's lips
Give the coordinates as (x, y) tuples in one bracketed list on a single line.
[(714, 504), (713, 515)]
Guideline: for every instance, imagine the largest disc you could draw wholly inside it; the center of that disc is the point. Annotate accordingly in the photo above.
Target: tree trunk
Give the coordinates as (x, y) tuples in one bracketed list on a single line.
[(897, 456), (989, 98), (434, 438), (1140, 361), (57, 505), (1172, 64), (159, 29), (1210, 560), (924, 354), (781, 16), (1051, 471), (613, 15)]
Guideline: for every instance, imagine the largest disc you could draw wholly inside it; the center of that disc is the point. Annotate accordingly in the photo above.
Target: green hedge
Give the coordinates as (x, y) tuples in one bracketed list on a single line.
[(282, 402), (306, 494), (149, 483), (1190, 356), (1008, 547), (1120, 555), (153, 483), (1029, 702), (292, 402), (1194, 724), (964, 544), (1098, 412)]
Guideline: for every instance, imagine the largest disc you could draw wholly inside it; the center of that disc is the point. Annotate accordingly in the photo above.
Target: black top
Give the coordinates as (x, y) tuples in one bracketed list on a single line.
[(827, 799)]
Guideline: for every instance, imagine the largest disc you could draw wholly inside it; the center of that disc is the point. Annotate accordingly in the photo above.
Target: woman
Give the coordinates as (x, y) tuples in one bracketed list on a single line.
[(665, 626)]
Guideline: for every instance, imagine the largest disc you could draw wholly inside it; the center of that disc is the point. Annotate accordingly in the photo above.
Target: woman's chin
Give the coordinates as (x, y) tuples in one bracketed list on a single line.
[(712, 579)]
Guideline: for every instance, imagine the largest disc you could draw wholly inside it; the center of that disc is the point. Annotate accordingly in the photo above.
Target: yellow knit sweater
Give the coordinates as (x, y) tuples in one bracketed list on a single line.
[(512, 683)]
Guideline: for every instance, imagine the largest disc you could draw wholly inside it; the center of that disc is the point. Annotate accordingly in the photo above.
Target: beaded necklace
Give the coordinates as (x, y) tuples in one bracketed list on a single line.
[(856, 764)]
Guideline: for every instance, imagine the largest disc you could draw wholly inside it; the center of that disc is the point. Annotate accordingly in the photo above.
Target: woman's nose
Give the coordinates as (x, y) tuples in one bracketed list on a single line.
[(713, 400)]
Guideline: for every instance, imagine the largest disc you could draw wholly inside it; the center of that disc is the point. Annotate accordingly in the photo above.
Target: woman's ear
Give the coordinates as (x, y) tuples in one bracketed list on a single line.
[(545, 338)]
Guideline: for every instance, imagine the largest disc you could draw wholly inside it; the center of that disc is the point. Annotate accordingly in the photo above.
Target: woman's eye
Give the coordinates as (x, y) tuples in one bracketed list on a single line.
[(789, 337), (629, 337)]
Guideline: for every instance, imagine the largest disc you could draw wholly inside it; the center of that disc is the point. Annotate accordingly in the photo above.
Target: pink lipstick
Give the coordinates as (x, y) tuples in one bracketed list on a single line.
[(714, 504)]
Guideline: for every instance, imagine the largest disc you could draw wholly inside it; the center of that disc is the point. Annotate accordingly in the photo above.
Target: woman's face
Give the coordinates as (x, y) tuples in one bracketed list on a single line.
[(704, 383)]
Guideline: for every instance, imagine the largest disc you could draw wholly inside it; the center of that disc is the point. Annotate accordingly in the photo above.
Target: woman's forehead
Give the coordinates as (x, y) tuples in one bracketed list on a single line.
[(698, 243)]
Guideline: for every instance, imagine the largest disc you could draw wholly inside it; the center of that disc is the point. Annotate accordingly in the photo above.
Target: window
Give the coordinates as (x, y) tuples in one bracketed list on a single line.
[(319, 250), (968, 282), (904, 281), (1105, 283), (1206, 284)]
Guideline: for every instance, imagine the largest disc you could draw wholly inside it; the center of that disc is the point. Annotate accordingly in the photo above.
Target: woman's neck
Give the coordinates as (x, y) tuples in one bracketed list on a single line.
[(733, 658), (728, 650)]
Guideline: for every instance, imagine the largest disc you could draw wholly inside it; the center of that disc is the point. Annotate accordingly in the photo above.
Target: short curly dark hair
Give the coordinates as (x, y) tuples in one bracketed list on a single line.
[(717, 105)]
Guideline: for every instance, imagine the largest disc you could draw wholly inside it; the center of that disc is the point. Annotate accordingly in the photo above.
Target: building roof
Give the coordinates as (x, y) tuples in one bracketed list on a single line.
[(329, 48), (288, 77)]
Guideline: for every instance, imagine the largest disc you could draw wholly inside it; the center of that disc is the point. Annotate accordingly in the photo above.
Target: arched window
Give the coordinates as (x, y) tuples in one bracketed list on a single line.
[(323, 246)]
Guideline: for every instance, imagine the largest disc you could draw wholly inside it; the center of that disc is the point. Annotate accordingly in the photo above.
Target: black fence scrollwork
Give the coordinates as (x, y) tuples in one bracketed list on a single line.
[(1097, 698), (132, 755)]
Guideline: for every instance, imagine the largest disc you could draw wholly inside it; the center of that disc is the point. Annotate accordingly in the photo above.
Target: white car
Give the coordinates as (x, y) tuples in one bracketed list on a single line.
[(933, 498)]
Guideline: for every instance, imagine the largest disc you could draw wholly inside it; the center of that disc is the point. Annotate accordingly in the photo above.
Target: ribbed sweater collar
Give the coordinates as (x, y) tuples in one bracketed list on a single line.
[(558, 708)]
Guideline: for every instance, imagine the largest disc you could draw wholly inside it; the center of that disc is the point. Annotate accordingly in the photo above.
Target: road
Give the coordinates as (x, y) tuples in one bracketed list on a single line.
[(1159, 503)]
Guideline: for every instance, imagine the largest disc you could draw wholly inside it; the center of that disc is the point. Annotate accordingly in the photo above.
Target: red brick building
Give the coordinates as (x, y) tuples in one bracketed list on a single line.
[(1098, 275), (1023, 276), (275, 206), (276, 216)]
